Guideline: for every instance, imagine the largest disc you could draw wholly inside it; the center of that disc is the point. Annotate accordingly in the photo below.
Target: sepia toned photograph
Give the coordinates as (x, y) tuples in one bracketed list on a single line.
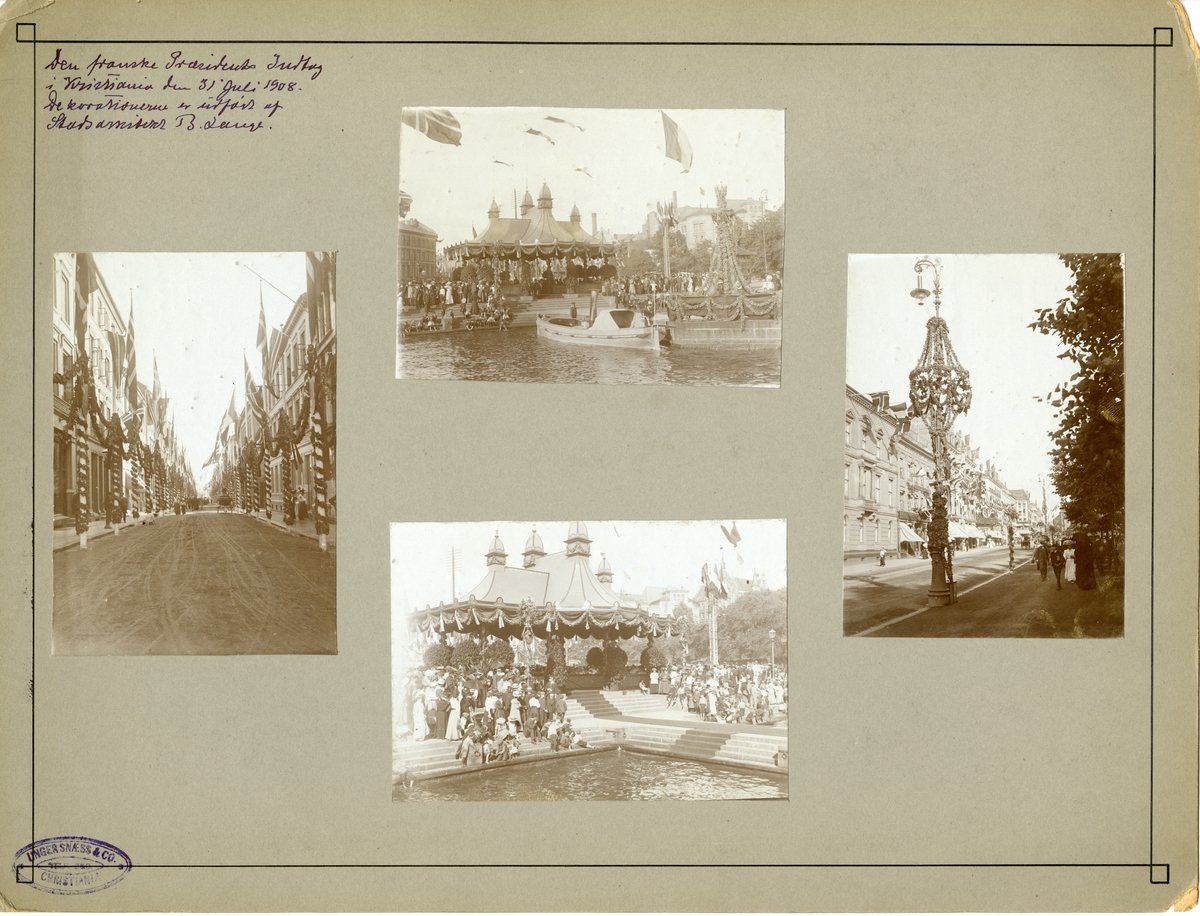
[(195, 441), (985, 446), (609, 246), (605, 661)]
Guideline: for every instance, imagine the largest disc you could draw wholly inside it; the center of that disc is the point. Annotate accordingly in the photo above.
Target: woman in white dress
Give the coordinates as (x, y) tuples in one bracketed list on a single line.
[(1069, 556), (420, 729), (453, 719)]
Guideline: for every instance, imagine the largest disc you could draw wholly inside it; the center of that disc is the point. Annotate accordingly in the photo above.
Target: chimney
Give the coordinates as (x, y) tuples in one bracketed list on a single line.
[(675, 198), (593, 224)]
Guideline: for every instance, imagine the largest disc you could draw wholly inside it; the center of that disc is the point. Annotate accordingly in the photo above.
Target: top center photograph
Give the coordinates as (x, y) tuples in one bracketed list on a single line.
[(591, 245)]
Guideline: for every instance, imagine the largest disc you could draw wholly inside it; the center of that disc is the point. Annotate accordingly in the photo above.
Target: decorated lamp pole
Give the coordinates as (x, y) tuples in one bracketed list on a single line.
[(319, 373), (939, 390)]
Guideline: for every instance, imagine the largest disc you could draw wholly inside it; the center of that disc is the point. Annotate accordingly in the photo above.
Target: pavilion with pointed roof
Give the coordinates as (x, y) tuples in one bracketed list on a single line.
[(535, 234), (549, 596)]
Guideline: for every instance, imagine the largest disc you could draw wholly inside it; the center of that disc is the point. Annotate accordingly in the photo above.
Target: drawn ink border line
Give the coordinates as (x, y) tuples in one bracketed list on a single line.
[(1160, 873)]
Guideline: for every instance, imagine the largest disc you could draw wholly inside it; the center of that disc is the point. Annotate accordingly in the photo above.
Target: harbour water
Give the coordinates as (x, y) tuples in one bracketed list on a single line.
[(517, 355), (611, 776)]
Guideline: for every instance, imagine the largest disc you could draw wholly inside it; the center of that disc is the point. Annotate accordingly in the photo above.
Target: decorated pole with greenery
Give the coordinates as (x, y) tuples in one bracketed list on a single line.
[(322, 391)]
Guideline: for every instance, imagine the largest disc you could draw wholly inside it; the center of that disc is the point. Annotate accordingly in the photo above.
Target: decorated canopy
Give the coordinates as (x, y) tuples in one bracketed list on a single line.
[(554, 594), (536, 234)]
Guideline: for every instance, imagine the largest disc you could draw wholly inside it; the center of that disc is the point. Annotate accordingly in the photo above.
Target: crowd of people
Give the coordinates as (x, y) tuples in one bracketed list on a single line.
[(748, 694), (490, 716), (1077, 560)]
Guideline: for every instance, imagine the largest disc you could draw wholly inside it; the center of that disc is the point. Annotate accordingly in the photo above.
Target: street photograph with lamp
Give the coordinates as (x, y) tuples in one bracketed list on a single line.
[(629, 659), (162, 359), (984, 446)]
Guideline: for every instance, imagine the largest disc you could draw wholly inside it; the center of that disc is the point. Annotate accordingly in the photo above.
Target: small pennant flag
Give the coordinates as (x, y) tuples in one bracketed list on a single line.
[(438, 124), (676, 143), (538, 133), (731, 534), (561, 121)]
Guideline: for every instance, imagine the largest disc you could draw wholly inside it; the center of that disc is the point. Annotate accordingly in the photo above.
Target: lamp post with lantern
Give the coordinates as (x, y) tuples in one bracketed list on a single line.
[(939, 390)]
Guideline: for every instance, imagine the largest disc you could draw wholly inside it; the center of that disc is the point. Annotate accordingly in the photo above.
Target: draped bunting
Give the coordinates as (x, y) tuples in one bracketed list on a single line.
[(724, 308), (492, 619), (475, 250)]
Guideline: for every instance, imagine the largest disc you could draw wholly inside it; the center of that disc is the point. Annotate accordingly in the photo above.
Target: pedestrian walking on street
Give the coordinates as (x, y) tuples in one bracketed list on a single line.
[(1041, 557), (1058, 563), (883, 556), (1085, 564)]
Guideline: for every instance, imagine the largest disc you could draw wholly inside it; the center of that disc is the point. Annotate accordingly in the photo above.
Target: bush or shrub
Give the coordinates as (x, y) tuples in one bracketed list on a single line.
[(437, 656), (653, 657), (556, 656), (615, 660), (498, 654), (466, 655), (595, 658)]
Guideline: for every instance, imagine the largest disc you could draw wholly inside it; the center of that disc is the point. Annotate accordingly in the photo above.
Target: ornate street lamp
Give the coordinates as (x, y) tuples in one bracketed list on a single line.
[(939, 389)]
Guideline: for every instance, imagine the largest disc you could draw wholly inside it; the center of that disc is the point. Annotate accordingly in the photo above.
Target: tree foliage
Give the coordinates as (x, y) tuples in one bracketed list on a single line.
[(437, 656), (498, 654), (744, 625), (1089, 445), (466, 654)]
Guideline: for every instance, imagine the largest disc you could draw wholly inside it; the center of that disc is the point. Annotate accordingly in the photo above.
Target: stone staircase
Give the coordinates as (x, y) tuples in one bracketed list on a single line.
[(754, 750), (431, 757)]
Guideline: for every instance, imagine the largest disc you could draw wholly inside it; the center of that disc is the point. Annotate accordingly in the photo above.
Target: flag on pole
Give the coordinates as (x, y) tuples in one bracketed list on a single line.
[(676, 145), (261, 342), (131, 383), (253, 397), (229, 421), (731, 534), (438, 124), (85, 285)]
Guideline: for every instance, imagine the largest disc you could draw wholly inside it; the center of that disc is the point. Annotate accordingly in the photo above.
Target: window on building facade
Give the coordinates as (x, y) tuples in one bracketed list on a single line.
[(846, 488)]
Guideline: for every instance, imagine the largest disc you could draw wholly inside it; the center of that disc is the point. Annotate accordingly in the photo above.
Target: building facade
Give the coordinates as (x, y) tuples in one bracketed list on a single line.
[(125, 416), (283, 471), (418, 253)]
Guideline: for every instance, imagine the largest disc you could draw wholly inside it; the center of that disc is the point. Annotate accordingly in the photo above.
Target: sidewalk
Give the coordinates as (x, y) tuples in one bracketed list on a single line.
[(306, 528), (66, 537)]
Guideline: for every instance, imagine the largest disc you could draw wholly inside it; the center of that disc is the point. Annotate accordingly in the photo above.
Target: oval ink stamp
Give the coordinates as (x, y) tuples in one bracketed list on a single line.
[(71, 865)]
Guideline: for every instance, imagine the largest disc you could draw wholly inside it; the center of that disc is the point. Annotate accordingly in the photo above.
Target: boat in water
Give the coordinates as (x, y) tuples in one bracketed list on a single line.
[(604, 327)]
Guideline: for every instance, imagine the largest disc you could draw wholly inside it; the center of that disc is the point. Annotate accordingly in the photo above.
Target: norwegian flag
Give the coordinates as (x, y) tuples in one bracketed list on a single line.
[(438, 124)]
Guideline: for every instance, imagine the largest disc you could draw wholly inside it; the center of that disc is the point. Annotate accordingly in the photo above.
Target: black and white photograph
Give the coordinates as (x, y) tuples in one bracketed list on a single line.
[(609, 246), (195, 441), (984, 491), (607, 660)]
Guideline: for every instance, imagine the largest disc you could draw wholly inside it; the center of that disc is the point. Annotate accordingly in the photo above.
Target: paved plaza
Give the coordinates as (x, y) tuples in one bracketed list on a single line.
[(204, 583)]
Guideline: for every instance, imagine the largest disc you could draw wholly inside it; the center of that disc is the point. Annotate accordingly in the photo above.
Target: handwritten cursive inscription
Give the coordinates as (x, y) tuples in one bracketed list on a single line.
[(173, 91)]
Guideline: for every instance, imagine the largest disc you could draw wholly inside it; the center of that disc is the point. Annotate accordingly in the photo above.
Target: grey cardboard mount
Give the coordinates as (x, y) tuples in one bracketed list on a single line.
[(925, 774)]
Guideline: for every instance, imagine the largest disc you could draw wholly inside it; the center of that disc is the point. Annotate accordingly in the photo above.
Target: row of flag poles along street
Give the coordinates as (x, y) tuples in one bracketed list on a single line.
[(248, 441)]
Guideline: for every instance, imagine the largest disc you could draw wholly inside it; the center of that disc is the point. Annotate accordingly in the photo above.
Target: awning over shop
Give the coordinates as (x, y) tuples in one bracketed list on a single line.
[(907, 535), (959, 532)]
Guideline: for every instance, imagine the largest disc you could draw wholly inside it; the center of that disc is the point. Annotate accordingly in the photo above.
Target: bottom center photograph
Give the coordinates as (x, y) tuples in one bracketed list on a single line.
[(606, 660)]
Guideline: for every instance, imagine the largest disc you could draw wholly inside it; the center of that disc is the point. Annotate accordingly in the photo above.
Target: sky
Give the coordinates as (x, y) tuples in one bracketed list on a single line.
[(621, 150), (196, 313), (660, 553), (988, 302)]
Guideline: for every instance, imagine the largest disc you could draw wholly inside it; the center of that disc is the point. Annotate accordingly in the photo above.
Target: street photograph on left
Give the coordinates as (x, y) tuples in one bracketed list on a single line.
[(195, 468)]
